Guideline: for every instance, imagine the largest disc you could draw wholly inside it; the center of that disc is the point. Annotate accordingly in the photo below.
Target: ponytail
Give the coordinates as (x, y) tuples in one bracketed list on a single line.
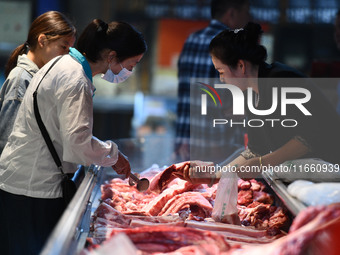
[(12, 61), (120, 37), (92, 41)]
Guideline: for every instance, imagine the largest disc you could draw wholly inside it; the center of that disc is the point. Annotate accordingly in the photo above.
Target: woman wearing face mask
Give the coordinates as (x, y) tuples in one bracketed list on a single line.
[(51, 34), (30, 190), (240, 60)]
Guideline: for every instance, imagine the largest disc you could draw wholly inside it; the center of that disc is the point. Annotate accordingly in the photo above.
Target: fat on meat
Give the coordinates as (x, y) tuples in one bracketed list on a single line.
[(233, 230), (129, 201), (124, 209), (107, 212), (161, 238), (188, 199), (161, 180), (198, 249), (157, 204), (125, 198), (314, 231)]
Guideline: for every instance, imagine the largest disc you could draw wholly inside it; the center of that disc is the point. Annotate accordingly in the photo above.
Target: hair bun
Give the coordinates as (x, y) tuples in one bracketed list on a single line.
[(103, 26), (229, 46), (253, 32)]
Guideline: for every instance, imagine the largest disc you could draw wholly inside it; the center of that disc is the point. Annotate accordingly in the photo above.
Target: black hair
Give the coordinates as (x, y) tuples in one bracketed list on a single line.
[(338, 13), (121, 37), (53, 24), (219, 7), (230, 46)]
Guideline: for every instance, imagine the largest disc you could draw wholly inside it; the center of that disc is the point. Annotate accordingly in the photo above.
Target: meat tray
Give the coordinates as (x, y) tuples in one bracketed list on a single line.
[(69, 236), (280, 189)]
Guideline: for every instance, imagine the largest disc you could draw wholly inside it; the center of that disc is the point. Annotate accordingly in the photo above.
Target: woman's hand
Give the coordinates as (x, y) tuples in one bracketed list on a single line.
[(293, 149), (250, 169), (197, 172), (122, 165)]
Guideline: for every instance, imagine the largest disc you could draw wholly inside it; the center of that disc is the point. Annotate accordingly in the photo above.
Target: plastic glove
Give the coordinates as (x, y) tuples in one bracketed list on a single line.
[(122, 165)]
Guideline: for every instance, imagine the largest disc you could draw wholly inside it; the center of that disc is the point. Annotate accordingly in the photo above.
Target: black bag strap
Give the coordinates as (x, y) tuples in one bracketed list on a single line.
[(41, 125)]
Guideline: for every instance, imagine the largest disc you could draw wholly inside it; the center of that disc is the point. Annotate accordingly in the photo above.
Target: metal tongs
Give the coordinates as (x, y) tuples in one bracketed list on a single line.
[(142, 184)]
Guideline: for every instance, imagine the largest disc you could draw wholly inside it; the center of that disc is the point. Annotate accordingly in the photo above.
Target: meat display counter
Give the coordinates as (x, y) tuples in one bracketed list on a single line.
[(69, 236)]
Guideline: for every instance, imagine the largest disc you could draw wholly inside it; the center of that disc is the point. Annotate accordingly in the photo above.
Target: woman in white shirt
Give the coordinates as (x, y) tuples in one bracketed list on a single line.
[(29, 178)]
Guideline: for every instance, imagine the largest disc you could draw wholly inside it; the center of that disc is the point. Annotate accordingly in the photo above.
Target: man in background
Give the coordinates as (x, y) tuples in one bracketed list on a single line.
[(195, 62)]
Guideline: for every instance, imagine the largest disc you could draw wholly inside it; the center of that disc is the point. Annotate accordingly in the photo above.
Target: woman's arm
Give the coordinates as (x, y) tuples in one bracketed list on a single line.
[(201, 172), (239, 161), (293, 149)]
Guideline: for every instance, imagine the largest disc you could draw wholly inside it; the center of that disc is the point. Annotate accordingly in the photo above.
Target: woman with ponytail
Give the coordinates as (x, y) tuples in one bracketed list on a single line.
[(51, 34), (308, 129), (30, 182)]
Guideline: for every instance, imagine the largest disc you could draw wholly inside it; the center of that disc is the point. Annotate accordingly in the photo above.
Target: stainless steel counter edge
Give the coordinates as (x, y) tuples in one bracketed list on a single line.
[(61, 240), (281, 191)]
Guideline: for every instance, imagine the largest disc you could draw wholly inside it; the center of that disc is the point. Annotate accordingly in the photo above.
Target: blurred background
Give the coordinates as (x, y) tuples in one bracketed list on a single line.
[(297, 33)]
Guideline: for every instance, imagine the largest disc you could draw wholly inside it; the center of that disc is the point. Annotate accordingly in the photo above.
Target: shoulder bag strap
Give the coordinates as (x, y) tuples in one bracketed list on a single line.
[(42, 126)]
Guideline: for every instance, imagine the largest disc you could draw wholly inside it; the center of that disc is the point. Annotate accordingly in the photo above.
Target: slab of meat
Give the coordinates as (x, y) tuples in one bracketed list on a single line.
[(161, 180), (327, 212), (245, 197), (110, 214), (255, 207), (198, 249), (197, 204), (252, 190), (251, 184), (106, 219), (125, 198), (263, 216), (121, 196), (171, 238), (141, 223), (243, 185), (224, 227), (315, 231), (156, 205), (122, 202), (157, 219), (107, 212), (174, 199), (263, 197)]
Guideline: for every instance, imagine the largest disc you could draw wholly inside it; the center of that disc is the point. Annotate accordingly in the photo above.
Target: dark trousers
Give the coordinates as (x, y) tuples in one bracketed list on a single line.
[(26, 222)]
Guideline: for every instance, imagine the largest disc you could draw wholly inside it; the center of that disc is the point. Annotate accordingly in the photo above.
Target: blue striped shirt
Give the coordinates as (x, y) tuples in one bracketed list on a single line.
[(195, 62)]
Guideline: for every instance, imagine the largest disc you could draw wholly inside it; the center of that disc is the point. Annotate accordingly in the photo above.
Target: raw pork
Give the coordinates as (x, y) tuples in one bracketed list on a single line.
[(314, 231), (170, 238)]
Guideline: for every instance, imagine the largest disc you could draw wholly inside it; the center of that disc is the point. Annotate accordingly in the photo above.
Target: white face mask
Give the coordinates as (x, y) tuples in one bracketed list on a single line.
[(116, 78)]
